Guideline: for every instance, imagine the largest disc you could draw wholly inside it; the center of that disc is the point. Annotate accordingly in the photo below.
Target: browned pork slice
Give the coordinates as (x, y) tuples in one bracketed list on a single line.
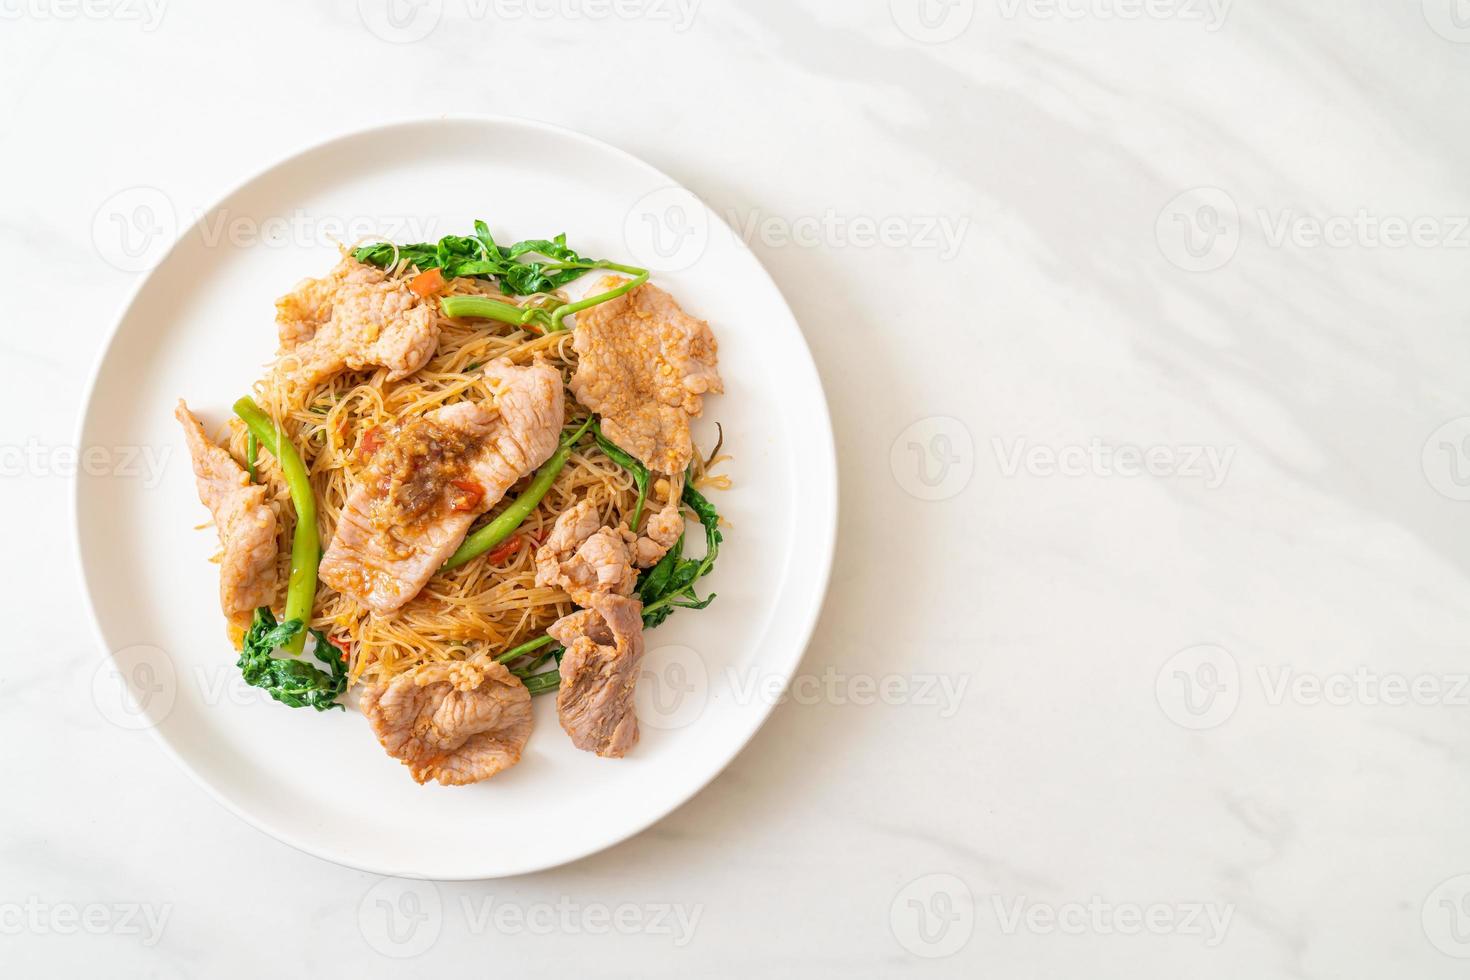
[(354, 318), (598, 674), (429, 479), (246, 524), (584, 558), (643, 366), (455, 722)]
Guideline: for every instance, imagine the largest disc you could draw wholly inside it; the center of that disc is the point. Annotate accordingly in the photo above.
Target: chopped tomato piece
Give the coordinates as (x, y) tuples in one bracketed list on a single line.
[(469, 496), (372, 441), (427, 283), (506, 550)]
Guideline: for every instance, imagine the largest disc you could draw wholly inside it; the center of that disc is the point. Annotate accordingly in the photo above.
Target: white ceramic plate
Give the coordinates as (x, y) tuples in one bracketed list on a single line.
[(201, 326)]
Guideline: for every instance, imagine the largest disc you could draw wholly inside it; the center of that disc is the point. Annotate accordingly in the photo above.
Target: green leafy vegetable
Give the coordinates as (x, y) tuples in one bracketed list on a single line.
[(518, 270), (306, 545), (480, 257), (294, 683), (669, 585)]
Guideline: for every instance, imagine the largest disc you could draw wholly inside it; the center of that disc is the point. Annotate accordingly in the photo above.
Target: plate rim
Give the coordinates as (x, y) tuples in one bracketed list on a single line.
[(827, 471)]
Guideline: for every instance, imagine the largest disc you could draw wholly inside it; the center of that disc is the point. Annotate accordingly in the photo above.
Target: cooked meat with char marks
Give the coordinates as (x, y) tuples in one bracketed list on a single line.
[(599, 672), (454, 722), (432, 476), (353, 319), (583, 558), (246, 524), (644, 365)]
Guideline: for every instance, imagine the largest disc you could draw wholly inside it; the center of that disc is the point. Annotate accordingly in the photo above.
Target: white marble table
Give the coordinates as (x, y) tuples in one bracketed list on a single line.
[(1144, 330)]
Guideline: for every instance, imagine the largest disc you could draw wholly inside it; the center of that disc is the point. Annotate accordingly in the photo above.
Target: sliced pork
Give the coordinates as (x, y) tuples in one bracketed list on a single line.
[(354, 318), (599, 672), (663, 528), (431, 476), (454, 722), (583, 558), (246, 524), (643, 366)]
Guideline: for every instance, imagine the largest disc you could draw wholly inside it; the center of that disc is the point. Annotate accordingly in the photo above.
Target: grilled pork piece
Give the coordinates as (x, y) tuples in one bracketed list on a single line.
[(432, 476), (454, 722), (246, 524)]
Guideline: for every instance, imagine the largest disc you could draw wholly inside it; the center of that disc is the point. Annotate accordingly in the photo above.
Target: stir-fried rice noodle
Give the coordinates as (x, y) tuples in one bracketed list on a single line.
[(479, 609)]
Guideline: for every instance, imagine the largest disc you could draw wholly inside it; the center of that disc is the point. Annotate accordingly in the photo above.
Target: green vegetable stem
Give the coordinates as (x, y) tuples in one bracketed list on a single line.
[(632, 465), (506, 522), (306, 546)]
